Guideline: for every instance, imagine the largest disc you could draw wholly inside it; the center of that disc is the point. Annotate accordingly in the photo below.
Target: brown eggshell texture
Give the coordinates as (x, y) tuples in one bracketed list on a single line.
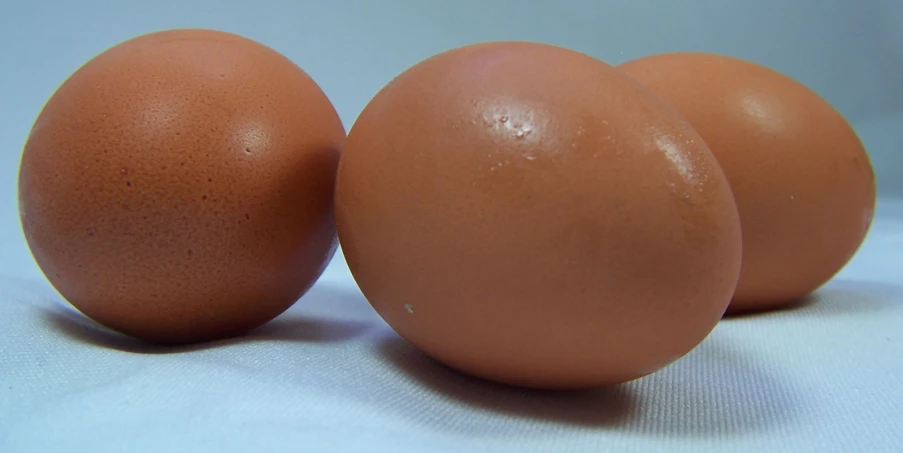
[(529, 215), (801, 177), (178, 187)]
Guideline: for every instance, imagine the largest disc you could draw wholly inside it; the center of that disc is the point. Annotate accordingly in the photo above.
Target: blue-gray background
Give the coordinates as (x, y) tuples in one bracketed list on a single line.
[(849, 52)]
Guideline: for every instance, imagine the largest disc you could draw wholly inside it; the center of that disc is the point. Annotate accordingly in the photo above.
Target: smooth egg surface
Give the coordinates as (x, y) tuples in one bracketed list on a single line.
[(801, 177), (530, 215)]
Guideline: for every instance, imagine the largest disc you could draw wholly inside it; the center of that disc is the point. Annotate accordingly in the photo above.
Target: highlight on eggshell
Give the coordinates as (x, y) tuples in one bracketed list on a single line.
[(803, 181), (178, 186), (528, 214)]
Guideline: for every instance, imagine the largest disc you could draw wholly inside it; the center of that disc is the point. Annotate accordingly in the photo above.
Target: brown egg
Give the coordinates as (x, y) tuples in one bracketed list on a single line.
[(802, 180), (529, 215), (178, 186)]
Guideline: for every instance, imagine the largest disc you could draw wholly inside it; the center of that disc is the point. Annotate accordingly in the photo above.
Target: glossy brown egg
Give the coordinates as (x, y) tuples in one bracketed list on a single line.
[(802, 180), (178, 187), (529, 215)]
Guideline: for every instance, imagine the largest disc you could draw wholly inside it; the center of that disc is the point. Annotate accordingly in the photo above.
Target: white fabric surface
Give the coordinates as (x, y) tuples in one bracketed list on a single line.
[(329, 376)]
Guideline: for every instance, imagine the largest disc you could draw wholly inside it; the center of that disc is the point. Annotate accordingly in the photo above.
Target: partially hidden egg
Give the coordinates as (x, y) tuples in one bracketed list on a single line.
[(178, 186), (529, 215), (801, 177)]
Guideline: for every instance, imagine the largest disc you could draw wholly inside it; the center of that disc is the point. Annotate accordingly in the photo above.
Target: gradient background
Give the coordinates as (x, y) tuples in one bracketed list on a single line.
[(849, 52)]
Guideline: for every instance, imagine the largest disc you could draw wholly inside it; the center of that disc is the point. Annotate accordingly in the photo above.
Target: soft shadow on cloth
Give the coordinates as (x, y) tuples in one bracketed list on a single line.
[(293, 325), (837, 297), (721, 390), (717, 391)]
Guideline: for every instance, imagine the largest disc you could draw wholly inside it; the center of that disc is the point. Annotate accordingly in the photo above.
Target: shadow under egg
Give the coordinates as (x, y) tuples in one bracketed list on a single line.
[(597, 407), (292, 325), (837, 297), (718, 390)]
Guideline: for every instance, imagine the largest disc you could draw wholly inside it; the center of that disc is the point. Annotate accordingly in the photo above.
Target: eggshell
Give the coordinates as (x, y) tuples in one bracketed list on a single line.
[(178, 186), (527, 214), (801, 177)]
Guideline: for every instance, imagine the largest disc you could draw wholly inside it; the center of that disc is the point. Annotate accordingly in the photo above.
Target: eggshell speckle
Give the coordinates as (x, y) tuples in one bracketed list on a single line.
[(528, 214), (178, 186), (801, 177)]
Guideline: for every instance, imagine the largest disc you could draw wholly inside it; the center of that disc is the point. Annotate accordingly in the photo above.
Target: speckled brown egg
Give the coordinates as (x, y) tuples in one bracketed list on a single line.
[(529, 215), (178, 187), (802, 180)]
